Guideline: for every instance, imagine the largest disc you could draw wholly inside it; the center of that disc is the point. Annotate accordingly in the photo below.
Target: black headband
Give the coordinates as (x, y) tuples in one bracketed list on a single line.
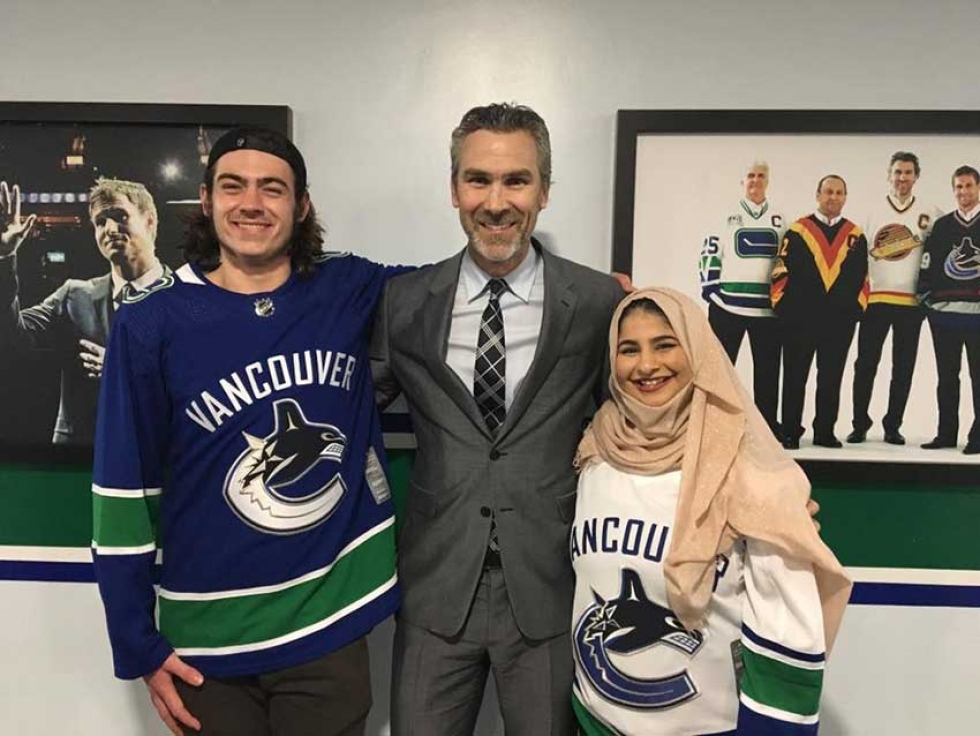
[(265, 140)]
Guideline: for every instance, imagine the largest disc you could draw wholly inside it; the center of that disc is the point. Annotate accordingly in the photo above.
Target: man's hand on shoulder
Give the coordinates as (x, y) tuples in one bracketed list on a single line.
[(812, 508), (13, 228), (164, 695), (625, 282)]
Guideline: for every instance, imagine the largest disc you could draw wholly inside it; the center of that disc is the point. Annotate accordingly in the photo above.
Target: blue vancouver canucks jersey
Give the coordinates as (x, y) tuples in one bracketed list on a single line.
[(237, 437)]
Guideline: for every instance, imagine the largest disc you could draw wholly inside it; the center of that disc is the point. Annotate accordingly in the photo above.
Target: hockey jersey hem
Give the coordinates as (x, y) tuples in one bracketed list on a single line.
[(337, 634)]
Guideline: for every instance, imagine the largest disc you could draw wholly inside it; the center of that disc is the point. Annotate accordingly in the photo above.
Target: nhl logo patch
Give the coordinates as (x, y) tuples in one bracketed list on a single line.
[(264, 307)]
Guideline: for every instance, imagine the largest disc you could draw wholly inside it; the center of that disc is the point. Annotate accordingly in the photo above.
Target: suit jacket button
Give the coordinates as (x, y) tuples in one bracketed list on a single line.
[(485, 511), (494, 454)]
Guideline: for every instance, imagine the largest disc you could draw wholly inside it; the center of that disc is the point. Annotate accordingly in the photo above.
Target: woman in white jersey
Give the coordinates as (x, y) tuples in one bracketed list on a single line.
[(705, 600)]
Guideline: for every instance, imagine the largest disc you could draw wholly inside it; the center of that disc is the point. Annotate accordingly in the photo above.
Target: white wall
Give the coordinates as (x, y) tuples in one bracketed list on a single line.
[(376, 88)]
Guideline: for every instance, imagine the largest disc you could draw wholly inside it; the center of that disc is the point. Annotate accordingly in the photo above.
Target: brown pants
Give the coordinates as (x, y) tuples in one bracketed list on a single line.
[(330, 696)]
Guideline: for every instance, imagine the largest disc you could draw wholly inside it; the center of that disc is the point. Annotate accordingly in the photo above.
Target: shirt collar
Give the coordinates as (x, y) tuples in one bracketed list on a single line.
[(153, 274), (830, 221), (971, 214), (519, 281), (756, 210)]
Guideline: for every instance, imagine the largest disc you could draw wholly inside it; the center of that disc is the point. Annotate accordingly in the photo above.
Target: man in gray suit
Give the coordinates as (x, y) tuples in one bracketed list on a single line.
[(73, 321), (500, 352)]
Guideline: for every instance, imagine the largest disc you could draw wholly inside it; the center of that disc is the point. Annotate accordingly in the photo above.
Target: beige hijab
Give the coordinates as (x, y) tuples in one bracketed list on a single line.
[(736, 479)]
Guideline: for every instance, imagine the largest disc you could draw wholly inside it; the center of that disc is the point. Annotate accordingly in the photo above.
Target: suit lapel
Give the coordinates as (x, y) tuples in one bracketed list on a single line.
[(102, 301), (559, 306), (436, 319)]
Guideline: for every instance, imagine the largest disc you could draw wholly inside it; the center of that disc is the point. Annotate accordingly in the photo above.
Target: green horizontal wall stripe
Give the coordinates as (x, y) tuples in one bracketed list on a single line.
[(932, 528), (780, 685), (124, 522), (867, 526), (260, 617), (46, 506)]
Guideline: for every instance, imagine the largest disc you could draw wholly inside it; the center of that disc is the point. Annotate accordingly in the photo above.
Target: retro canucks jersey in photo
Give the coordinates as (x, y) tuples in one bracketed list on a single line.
[(737, 257), (755, 668), (239, 434)]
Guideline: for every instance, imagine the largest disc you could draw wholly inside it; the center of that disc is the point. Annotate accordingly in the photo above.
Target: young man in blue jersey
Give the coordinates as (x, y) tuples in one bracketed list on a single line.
[(256, 463)]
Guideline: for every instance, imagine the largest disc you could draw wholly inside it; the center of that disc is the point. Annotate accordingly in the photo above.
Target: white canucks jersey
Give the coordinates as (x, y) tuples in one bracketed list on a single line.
[(736, 259), (895, 238), (755, 666)]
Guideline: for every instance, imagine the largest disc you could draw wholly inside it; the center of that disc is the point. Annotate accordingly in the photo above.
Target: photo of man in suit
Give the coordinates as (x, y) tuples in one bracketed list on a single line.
[(73, 321), (500, 352)]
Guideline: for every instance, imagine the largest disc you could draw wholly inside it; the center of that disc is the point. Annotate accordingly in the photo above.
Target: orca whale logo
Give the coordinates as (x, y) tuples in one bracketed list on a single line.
[(963, 262), (625, 625), (265, 486)]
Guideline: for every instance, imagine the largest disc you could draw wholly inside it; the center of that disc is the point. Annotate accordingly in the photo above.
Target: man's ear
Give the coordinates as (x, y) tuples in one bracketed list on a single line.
[(454, 193), (205, 200), (303, 208)]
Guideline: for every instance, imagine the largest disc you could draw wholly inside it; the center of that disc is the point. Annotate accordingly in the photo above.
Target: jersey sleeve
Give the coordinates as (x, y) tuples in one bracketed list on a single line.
[(392, 271), (861, 251), (924, 285), (709, 266), (779, 276), (132, 420), (782, 646)]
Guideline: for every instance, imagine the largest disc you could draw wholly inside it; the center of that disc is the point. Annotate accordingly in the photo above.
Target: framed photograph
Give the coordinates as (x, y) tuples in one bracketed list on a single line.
[(803, 234), (102, 192)]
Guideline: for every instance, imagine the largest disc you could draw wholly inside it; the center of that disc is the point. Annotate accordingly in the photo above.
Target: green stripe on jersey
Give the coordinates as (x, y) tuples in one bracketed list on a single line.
[(745, 287), (587, 723), (249, 619), (124, 522), (780, 685)]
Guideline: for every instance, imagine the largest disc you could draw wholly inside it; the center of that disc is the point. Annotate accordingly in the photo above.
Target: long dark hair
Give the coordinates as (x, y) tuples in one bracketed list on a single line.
[(201, 246)]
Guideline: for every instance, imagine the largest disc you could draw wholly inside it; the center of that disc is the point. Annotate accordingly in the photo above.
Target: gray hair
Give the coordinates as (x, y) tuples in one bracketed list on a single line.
[(504, 118)]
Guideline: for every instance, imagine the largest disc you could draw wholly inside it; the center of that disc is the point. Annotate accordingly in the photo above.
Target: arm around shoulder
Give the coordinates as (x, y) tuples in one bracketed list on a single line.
[(386, 388)]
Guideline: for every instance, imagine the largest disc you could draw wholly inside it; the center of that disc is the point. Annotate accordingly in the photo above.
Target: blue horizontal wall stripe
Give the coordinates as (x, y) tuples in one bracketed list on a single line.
[(864, 594)]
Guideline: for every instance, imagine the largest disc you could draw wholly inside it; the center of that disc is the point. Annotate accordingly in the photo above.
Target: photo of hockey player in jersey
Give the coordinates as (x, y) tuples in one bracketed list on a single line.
[(949, 287), (736, 261), (88, 215), (687, 227), (819, 290), (896, 229)]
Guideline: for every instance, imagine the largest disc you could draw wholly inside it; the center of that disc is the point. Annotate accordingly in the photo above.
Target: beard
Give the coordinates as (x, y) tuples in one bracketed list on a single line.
[(497, 248)]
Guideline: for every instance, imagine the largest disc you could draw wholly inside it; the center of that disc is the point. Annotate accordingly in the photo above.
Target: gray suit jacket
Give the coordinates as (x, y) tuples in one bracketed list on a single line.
[(75, 310), (461, 474)]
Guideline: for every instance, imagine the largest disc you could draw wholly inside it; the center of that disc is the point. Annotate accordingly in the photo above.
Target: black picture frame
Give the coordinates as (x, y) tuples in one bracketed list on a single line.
[(115, 140), (696, 126)]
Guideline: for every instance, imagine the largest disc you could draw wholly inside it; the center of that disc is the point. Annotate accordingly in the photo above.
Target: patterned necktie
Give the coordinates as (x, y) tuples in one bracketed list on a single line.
[(489, 385)]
